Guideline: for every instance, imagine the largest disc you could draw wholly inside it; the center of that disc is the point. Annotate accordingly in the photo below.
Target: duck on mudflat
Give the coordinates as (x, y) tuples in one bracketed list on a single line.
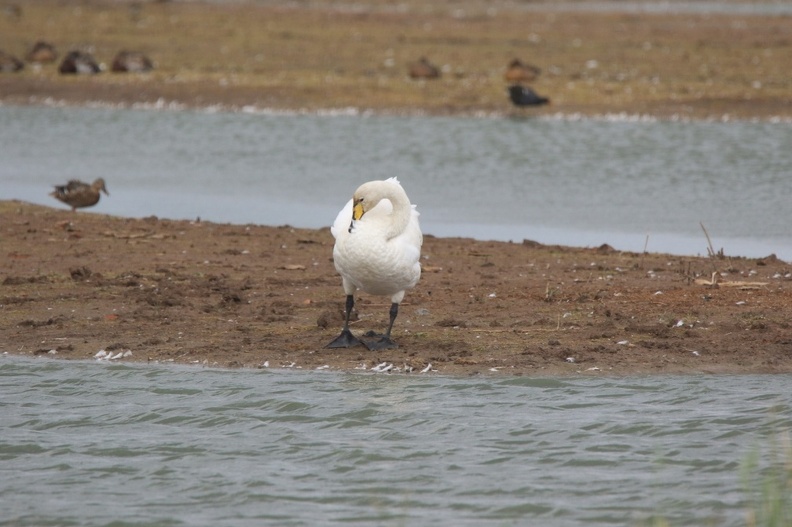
[(77, 194)]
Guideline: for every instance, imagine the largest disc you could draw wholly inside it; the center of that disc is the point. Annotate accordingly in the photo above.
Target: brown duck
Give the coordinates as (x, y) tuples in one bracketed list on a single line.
[(517, 71), (77, 194), (42, 52), (131, 61), (423, 69)]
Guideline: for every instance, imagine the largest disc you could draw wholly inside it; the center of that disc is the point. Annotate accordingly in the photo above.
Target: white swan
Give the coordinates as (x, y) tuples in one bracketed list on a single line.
[(377, 249)]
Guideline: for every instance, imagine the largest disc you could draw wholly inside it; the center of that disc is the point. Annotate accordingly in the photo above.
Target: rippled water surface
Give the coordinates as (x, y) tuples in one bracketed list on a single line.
[(85, 444), (633, 185)]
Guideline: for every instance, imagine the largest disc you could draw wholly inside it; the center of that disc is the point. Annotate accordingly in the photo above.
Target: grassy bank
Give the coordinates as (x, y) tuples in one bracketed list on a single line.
[(328, 55)]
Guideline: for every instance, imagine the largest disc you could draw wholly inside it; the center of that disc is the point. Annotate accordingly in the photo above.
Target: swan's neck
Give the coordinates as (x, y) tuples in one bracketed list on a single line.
[(399, 217)]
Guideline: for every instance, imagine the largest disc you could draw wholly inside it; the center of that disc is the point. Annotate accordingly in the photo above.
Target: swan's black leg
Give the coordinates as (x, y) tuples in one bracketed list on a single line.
[(346, 339), (385, 342)]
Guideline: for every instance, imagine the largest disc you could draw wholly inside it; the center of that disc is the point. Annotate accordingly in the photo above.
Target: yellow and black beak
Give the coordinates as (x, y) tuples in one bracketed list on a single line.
[(357, 213)]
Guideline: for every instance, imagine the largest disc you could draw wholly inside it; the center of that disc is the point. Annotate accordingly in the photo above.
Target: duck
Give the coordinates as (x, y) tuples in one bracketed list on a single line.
[(131, 61), (423, 69), (377, 250), (517, 71), (77, 194), (42, 52), (525, 96), (9, 63), (78, 62)]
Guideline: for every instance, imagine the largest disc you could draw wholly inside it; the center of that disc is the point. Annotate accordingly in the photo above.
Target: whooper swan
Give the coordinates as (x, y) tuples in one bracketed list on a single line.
[(377, 250)]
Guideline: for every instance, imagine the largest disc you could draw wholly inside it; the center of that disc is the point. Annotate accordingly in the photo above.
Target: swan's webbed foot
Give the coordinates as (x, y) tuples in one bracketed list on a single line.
[(346, 340), (384, 343)]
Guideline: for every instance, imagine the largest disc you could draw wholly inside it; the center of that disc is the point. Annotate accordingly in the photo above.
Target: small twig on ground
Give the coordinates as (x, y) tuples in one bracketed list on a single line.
[(646, 244), (710, 248)]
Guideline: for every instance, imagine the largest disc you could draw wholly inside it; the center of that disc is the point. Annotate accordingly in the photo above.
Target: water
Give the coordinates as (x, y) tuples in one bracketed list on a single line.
[(706, 7), (87, 444), (632, 184)]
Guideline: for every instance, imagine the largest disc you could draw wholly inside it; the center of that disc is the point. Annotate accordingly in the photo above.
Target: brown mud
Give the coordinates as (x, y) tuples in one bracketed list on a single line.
[(74, 284)]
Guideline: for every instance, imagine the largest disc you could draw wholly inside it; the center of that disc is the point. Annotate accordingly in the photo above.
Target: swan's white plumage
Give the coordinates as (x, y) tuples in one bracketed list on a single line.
[(379, 253)]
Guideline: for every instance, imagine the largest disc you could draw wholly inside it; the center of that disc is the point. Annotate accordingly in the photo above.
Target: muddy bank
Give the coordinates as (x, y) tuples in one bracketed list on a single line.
[(73, 284)]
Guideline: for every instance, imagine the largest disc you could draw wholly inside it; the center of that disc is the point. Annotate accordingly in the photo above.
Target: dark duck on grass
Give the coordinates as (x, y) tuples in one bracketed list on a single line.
[(78, 63), (9, 63), (522, 96)]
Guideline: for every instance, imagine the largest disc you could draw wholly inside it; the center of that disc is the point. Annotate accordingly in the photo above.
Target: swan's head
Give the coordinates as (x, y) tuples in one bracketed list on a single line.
[(380, 198), (366, 197)]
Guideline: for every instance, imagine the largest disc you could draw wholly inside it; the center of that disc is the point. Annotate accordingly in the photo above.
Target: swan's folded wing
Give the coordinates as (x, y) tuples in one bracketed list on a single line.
[(342, 221), (413, 231)]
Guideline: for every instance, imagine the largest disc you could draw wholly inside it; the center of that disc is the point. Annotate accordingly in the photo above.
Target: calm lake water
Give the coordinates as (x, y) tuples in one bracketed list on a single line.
[(85, 443), (628, 182)]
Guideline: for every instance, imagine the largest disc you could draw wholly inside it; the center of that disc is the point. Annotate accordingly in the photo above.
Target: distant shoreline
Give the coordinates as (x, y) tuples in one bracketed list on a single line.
[(669, 66), (351, 111)]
